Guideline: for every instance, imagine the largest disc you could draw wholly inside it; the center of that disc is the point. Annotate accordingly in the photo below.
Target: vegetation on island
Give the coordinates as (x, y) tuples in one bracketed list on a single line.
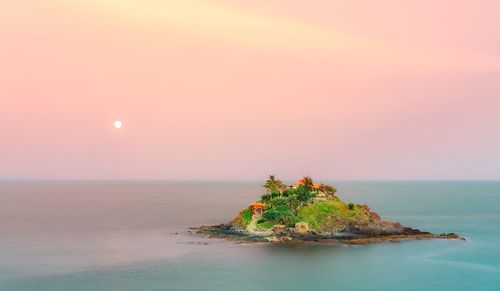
[(304, 201)]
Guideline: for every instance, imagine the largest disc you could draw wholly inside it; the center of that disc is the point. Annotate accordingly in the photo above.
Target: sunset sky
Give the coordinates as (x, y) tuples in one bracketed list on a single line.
[(242, 89)]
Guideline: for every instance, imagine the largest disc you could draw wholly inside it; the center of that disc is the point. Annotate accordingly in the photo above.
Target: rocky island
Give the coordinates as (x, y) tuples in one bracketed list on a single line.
[(308, 211)]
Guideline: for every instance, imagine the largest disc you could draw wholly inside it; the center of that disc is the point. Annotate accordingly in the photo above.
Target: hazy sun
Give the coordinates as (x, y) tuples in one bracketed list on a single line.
[(118, 124)]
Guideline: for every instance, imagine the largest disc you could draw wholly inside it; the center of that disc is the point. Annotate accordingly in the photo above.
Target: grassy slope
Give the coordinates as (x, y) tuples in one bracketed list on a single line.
[(244, 217), (325, 214), (266, 224), (320, 215)]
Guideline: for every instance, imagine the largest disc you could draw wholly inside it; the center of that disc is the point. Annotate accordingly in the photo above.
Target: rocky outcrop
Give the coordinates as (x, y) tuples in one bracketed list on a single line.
[(389, 232)]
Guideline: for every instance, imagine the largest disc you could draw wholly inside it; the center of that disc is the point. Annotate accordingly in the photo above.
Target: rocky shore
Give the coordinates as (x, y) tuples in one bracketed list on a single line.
[(290, 235)]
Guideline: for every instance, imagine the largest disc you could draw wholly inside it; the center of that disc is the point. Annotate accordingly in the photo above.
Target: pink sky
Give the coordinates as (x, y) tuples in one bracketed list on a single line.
[(241, 89)]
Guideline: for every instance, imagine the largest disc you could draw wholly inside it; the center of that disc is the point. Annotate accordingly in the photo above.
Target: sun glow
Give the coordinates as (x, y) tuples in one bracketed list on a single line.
[(118, 124)]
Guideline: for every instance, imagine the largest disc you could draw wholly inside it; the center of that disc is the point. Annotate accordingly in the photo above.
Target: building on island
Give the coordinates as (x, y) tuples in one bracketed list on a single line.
[(257, 209), (299, 182), (322, 191), (302, 181)]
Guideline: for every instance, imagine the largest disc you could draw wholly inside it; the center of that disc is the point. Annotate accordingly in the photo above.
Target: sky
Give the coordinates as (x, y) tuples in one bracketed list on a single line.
[(242, 89)]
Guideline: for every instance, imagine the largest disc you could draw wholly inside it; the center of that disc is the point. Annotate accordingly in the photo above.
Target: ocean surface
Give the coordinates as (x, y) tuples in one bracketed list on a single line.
[(135, 236)]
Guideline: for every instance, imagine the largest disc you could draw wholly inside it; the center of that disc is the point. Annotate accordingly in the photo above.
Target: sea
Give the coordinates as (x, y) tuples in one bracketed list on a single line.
[(135, 235)]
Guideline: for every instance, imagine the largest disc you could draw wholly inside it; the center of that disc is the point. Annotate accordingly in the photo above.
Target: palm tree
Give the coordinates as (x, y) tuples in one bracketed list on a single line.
[(281, 187), (308, 182), (271, 185), (274, 185)]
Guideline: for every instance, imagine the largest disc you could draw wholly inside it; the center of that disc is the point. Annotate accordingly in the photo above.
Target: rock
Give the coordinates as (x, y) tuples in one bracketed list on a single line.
[(375, 216), (302, 227), (279, 227), (450, 235), (273, 239)]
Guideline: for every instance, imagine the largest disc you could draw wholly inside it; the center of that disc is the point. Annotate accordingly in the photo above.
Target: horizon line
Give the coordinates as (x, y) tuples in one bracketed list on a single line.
[(242, 180)]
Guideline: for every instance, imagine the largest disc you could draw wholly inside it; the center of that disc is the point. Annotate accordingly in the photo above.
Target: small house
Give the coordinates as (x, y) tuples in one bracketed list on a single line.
[(257, 209), (298, 183)]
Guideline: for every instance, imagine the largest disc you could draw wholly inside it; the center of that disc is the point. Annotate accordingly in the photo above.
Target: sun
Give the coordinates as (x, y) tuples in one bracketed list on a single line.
[(118, 124)]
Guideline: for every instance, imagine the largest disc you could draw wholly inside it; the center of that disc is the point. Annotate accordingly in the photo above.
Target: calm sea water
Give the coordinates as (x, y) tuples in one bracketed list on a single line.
[(133, 236)]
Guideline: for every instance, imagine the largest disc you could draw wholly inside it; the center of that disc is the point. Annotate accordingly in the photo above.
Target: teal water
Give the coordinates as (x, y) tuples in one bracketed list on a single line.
[(134, 236)]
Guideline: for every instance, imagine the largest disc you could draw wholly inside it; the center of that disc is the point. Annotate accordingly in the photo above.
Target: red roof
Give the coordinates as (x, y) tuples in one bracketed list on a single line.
[(300, 182), (257, 205)]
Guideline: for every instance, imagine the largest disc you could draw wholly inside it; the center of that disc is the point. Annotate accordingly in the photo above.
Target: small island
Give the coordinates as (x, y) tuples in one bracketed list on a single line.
[(311, 212)]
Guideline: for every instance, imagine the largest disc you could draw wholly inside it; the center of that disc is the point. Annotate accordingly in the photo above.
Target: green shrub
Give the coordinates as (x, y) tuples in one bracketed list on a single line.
[(282, 209), (304, 193), (266, 197), (351, 206), (270, 214), (278, 201), (285, 215)]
